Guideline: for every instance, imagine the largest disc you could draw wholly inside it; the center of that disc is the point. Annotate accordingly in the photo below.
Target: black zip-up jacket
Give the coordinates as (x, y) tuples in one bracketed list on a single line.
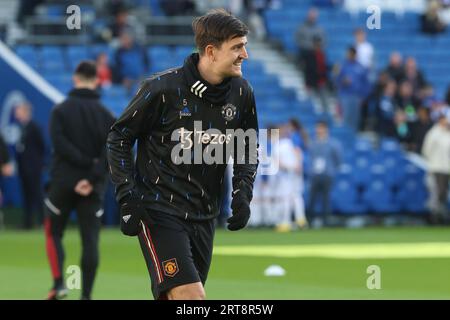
[(170, 102), (79, 128), (30, 150), (4, 153)]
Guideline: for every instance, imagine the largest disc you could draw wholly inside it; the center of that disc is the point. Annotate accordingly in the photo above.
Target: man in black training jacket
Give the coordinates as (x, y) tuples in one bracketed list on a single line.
[(178, 117), (79, 128)]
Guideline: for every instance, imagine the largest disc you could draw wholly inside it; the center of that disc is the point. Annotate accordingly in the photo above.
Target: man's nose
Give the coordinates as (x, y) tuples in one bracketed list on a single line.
[(244, 53)]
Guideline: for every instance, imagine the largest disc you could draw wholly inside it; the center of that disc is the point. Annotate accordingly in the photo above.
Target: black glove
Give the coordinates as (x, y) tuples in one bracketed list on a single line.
[(131, 214), (241, 207)]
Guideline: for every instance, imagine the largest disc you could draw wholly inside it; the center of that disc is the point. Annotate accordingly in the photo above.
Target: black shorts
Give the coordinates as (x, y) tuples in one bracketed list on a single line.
[(176, 251)]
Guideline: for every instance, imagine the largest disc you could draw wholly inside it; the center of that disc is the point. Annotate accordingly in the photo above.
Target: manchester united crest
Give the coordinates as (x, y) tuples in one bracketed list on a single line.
[(170, 267), (229, 111)]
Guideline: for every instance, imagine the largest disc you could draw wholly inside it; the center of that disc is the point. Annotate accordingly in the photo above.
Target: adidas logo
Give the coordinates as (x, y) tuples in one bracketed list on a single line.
[(185, 112), (198, 88), (126, 218)]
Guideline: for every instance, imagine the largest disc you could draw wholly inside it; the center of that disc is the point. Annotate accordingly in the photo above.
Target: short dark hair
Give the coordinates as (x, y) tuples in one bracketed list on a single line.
[(296, 124), (352, 50), (216, 27), (87, 70)]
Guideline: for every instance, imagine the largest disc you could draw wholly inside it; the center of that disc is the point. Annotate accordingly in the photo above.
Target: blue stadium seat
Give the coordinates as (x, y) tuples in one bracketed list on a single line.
[(390, 147), (345, 199), (378, 171), (75, 54), (380, 199), (29, 54), (115, 105), (54, 11), (115, 92), (412, 172), (413, 196), (157, 54), (52, 59), (393, 174), (183, 51), (361, 170)]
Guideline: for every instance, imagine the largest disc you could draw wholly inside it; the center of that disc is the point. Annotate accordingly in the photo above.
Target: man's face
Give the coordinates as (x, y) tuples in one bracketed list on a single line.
[(321, 131), (396, 60), (229, 57), (23, 113)]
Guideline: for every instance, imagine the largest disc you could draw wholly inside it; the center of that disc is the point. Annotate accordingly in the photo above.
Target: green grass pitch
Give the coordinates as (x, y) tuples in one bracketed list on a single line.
[(320, 264)]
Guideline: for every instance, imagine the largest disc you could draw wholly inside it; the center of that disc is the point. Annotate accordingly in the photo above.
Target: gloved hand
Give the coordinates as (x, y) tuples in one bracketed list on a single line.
[(241, 207), (131, 214)]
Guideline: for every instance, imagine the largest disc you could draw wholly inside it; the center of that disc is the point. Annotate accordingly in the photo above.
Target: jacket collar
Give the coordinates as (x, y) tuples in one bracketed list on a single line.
[(215, 94), (84, 93)]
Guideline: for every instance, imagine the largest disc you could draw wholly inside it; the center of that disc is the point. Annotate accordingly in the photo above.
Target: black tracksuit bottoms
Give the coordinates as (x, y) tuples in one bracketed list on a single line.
[(58, 204)]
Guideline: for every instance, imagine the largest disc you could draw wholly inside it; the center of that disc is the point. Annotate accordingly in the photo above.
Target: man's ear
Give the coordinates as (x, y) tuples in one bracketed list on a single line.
[(210, 52)]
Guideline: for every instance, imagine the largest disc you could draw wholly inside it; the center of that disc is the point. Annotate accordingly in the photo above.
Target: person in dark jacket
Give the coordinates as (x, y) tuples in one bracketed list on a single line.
[(131, 61), (30, 152), (170, 197), (420, 128), (316, 73), (6, 167), (79, 127)]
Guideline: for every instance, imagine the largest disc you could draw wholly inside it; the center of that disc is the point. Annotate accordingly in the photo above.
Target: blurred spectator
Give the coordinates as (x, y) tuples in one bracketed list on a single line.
[(6, 169), (298, 134), (26, 9), (120, 23), (30, 152), (413, 75), (437, 110), (386, 111), (420, 128), (436, 150), (306, 34), (431, 23), (352, 85), (104, 73), (130, 61), (428, 97), (316, 73), (364, 50), (264, 205), (395, 68), (447, 96), (178, 7), (289, 182), (123, 23), (255, 9), (325, 159), (6, 166), (403, 128), (406, 100), (370, 105)]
